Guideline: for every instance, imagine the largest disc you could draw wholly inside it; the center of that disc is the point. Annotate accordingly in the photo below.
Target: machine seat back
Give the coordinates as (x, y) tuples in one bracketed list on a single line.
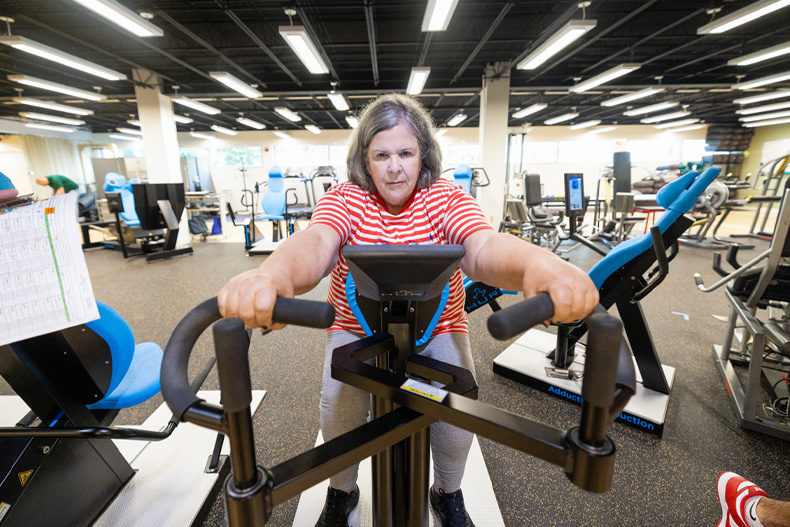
[(273, 201), (463, 177)]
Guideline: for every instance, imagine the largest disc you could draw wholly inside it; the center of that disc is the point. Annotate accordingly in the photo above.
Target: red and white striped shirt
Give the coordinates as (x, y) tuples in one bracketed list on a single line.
[(439, 215)]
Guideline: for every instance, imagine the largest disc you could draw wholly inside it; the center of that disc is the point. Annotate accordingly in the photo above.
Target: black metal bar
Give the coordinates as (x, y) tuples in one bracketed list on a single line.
[(313, 466), (418, 447), (642, 345)]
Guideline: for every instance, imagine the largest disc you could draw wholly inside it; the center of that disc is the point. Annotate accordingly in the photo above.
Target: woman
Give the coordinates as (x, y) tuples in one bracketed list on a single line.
[(395, 196)]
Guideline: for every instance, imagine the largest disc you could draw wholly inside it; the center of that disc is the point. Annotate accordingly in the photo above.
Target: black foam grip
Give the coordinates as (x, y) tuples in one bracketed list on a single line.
[(603, 348), (175, 363), (231, 345), (509, 322), (306, 313)]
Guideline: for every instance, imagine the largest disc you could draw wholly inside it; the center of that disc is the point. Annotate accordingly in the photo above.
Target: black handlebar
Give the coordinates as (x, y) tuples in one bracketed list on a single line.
[(175, 383)]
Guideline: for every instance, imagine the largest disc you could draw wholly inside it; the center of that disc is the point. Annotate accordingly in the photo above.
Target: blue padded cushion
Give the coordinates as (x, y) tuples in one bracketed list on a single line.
[(463, 177), (129, 213), (141, 381), (273, 202), (677, 198), (113, 182), (111, 327)]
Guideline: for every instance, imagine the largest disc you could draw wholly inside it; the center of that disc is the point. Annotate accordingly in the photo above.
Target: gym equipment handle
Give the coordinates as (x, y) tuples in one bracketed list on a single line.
[(509, 322), (175, 383)]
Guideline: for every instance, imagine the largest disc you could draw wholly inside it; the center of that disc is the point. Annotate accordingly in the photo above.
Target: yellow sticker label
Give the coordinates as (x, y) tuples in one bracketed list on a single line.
[(424, 390), (24, 476), (49, 210)]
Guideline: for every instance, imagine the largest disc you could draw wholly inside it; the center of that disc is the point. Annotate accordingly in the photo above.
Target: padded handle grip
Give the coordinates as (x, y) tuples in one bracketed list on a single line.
[(175, 363), (509, 322)]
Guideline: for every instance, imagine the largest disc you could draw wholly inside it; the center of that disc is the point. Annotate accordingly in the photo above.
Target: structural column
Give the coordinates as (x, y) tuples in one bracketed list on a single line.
[(155, 111), (494, 104)]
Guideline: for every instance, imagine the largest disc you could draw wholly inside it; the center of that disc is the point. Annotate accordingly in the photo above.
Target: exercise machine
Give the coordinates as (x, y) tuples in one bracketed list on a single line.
[(762, 345), (400, 283), (575, 208), (627, 274), (770, 176)]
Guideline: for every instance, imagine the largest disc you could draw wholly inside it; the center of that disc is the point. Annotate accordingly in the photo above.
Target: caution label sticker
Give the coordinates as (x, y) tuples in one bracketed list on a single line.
[(4, 508), (24, 476), (424, 390)]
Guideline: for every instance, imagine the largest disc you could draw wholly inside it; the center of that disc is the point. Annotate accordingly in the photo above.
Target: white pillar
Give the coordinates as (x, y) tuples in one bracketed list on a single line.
[(155, 111), (494, 104)]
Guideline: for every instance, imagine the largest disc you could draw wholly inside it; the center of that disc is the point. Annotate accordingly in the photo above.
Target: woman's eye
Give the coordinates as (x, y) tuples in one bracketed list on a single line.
[(407, 153)]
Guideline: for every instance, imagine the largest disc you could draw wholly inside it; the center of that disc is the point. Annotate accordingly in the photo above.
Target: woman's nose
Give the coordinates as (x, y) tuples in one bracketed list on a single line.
[(394, 164)]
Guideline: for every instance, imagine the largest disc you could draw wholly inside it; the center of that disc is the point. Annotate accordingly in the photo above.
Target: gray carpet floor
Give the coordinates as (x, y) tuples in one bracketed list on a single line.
[(657, 482)]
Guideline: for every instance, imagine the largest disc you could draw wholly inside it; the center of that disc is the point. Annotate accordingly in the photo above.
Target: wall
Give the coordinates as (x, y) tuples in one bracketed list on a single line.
[(763, 134)]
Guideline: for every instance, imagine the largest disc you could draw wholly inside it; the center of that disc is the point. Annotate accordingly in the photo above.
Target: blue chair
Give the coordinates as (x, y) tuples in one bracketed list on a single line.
[(117, 183), (135, 367), (273, 202), (463, 177)]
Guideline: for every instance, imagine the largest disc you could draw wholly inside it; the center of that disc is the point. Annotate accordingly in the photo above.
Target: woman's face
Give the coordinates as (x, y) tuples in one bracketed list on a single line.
[(394, 164)]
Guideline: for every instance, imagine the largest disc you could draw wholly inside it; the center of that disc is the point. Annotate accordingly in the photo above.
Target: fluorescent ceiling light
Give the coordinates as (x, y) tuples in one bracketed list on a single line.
[(602, 130), (223, 130), (457, 119), (65, 59), (742, 16), (195, 105), (288, 114), (312, 128), (297, 38), (51, 118), (338, 101), (606, 76), (281, 134), (763, 97), (134, 122), (352, 121), (235, 84), (529, 110), (759, 56), (686, 128), (765, 116), (651, 108), (51, 106), (632, 96), (27, 80), (440, 132), (673, 124), (766, 123), (201, 136), (51, 127), (585, 124), (417, 80), (131, 131), (251, 123), (125, 137), (664, 117), (125, 18), (438, 14), (561, 118), (762, 81), (181, 119), (559, 40), (766, 108)]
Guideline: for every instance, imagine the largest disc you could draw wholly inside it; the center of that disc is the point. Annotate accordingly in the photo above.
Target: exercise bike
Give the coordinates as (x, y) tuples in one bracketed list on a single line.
[(399, 289)]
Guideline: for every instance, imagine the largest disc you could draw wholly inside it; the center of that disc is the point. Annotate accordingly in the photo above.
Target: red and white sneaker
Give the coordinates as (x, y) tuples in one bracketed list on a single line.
[(733, 492)]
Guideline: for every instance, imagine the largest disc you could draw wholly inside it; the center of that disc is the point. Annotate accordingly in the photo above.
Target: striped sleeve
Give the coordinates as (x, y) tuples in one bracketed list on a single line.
[(332, 210), (463, 217)]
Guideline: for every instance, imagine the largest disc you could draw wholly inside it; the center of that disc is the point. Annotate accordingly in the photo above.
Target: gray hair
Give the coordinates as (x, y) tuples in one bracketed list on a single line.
[(385, 113)]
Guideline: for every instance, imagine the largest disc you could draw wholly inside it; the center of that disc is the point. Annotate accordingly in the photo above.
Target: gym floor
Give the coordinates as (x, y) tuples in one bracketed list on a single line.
[(657, 482)]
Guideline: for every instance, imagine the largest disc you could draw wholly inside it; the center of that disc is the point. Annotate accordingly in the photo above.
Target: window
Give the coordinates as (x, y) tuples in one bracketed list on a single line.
[(199, 153), (462, 154), (693, 149), (540, 152), (590, 151), (250, 156), (654, 151)]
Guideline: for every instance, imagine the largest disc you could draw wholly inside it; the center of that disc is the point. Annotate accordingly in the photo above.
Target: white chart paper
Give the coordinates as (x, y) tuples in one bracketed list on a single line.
[(44, 282)]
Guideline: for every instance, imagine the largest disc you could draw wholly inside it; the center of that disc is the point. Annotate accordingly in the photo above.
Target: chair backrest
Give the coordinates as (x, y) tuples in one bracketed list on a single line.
[(113, 182), (677, 198), (119, 337), (463, 177), (532, 193), (273, 201)]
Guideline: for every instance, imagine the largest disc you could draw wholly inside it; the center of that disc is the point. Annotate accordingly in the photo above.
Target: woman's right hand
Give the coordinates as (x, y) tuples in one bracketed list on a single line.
[(251, 295)]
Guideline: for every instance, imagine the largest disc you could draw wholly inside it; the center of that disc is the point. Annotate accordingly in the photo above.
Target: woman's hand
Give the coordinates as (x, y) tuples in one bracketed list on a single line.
[(250, 296), (571, 290)]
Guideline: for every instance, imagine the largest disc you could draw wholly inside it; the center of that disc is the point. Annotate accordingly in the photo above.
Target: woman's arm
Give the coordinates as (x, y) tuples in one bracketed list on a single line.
[(503, 260), (296, 267)]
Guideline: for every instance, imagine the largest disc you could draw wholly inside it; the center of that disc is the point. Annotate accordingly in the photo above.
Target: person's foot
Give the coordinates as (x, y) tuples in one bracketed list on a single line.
[(734, 492), (338, 507), (449, 508)]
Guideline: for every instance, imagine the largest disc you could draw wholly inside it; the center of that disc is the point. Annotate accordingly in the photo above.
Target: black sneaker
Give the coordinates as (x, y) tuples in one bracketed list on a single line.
[(449, 508), (337, 508)]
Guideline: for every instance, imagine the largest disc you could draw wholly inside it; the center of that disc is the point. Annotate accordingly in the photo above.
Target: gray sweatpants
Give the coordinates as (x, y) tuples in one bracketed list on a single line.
[(344, 408)]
